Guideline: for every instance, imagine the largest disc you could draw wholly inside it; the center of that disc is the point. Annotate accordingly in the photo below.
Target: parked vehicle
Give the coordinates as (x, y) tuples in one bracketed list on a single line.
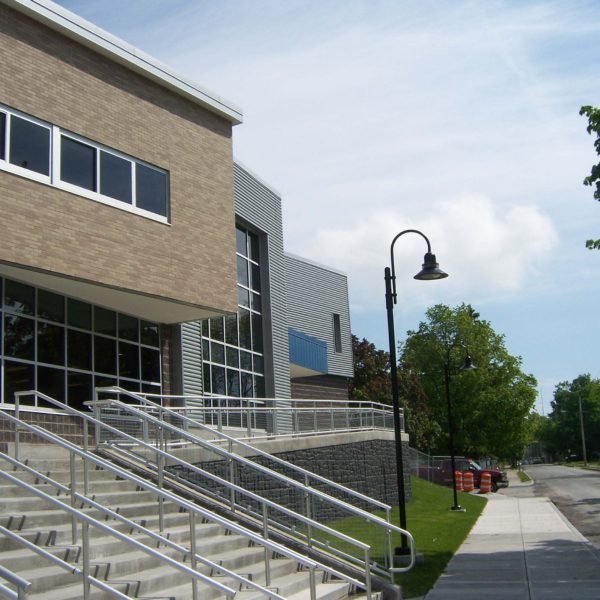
[(441, 472)]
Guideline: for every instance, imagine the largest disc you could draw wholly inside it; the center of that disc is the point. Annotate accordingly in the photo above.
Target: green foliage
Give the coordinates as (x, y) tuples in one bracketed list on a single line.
[(593, 179), (561, 434), (491, 404), (371, 380)]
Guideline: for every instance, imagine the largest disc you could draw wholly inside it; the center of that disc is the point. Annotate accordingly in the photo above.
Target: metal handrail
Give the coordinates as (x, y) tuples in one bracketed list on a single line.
[(132, 525), (23, 586), (87, 520), (189, 506), (347, 403), (343, 415), (388, 527), (305, 473)]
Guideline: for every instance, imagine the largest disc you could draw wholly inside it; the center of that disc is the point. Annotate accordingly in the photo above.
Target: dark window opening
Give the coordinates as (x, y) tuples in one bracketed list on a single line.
[(78, 164), (337, 333), (29, 145)]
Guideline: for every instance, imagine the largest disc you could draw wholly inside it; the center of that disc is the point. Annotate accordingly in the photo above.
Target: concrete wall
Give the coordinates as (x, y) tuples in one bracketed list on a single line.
[(192, 259)]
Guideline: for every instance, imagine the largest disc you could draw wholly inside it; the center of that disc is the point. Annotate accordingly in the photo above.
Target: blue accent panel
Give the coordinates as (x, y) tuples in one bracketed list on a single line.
[(307, 351)]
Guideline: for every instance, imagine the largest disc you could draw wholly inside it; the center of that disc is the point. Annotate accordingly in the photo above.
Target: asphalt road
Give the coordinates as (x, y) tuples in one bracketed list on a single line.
[(576, 492)]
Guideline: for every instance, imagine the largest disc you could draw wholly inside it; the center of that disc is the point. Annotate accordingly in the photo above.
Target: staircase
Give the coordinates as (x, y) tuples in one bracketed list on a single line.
[(233, 565)]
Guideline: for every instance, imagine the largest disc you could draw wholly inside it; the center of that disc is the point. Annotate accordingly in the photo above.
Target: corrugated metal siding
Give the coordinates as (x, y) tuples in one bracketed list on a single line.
[(191, 358), (314, 294), (260, 207), (307, 351)]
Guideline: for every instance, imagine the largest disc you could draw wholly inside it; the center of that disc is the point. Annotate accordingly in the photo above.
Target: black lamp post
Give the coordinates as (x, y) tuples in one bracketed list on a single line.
[(467, 366), (430, 270)]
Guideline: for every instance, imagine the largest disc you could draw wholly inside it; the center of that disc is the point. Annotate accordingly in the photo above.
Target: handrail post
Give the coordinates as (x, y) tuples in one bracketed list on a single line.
[(368, 573), (85, 461), (96, 421), (17, 428), (74, 534), (86, 558), (267, 551), (313, 584), (193, 560), (308, 508), (161, 468), (248, 418)]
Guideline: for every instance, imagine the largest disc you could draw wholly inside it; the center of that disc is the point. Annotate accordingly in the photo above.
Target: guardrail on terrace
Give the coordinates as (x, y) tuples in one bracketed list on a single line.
[(269, 417)]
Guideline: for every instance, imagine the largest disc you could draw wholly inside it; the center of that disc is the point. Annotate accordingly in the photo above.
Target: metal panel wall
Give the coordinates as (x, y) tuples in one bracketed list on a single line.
[(314, 294), (191, 358), (258, 207)]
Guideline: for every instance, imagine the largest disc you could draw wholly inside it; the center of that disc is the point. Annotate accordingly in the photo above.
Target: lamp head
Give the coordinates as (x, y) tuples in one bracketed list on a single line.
[(431, 269), (468, 364)]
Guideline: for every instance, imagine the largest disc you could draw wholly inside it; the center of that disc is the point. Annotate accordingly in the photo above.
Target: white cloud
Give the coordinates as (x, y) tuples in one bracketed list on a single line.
[(487, 251)]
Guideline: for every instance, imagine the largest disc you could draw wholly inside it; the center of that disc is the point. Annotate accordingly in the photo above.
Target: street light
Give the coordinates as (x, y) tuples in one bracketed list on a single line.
[(467, 366), (429, 271)]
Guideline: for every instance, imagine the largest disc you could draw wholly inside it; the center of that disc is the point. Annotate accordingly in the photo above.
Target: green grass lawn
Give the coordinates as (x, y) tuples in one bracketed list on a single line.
[(438, 532), (523, 476)]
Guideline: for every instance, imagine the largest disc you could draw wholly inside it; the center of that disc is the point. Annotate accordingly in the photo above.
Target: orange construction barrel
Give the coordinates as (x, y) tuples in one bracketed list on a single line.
[(459, 481), (485, 487), (468, 485)]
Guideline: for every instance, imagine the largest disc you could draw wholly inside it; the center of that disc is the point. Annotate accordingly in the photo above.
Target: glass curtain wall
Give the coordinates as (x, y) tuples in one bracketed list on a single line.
[(64, 347), (232, 346)]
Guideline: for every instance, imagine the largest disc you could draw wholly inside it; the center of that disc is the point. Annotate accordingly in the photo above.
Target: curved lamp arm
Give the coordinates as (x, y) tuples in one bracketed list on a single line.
[(430, 268)]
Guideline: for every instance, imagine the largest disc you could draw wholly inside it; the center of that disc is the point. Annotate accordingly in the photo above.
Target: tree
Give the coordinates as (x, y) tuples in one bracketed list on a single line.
[(562, 436), (491, 404), (372, 382), (371, 373), (593, 179)]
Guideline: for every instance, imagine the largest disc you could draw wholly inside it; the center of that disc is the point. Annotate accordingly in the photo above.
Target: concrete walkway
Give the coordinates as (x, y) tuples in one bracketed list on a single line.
[(521, 549)]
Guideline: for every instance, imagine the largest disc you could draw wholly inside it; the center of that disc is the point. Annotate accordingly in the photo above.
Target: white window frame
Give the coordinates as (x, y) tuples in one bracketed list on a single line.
[(5, 163), (54, 180)]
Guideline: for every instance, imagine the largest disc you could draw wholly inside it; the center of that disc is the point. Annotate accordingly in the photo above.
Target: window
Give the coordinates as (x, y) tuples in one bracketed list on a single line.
[(2, 136), (77, 163), (62, 159), (337, 333), (29, 146), (115, 177), (151, 189), (63, 346), (232, 346)]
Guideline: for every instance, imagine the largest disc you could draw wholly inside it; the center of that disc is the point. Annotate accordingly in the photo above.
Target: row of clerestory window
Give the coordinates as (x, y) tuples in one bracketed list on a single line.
[(47, 153)]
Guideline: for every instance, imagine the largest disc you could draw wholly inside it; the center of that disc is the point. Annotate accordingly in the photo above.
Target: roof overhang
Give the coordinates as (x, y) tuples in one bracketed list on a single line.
[(145, 306), (74, 27)]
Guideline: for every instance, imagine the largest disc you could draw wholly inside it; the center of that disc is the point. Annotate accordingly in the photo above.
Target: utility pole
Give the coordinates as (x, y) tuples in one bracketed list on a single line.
[(582, 430)]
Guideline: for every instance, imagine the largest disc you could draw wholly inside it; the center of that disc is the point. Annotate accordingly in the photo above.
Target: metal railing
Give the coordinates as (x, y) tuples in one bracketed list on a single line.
[(195, 512), (308, 495), (22, 585), (163, 464), (80, 517), (272, 417)]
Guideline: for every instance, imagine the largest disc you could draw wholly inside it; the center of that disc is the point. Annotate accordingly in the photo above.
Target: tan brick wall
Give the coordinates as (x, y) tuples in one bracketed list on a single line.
[(193, 258)]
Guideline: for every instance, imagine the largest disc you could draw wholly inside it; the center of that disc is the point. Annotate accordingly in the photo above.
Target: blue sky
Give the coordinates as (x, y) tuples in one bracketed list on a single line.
[(456, 118)]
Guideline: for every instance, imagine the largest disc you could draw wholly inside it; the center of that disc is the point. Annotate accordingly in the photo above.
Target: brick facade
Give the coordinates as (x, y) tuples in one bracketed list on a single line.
[(192, 259)]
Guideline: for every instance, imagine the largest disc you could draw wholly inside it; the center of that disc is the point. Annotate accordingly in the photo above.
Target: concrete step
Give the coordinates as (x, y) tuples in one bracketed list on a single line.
[(132, 571), (106, 498), (55, 516)]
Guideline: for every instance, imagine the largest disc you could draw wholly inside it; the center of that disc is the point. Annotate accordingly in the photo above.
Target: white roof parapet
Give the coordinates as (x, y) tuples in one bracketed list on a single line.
[(314, 263), (70, 25)]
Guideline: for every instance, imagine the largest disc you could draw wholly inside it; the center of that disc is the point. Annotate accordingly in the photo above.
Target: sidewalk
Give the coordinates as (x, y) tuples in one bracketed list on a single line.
[(521, 549)]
